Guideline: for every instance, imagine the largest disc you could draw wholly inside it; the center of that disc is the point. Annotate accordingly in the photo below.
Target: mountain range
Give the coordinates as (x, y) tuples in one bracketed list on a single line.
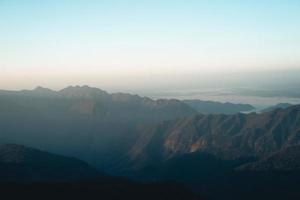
[(82, 121), (203, 147)]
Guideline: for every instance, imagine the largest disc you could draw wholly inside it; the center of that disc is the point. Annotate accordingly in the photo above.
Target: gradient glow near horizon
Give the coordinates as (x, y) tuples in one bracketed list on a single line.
[(59, 42)]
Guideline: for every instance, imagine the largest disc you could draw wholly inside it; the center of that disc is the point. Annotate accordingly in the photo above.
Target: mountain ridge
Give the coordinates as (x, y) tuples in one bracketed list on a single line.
[(213, 107)]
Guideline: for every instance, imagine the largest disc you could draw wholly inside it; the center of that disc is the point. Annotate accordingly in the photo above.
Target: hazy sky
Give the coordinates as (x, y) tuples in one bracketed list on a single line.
[(122, 43)]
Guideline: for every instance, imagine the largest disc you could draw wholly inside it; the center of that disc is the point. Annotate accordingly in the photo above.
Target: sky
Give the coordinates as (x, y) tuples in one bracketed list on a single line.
[(119, 44)]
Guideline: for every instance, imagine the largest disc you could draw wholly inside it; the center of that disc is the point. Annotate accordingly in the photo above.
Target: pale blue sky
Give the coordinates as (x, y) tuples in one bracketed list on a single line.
[(70, 41)]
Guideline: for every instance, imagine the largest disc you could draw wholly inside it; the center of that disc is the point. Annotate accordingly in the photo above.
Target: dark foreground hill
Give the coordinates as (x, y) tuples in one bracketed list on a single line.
[(27, 173), (20, 163), (109, 190)]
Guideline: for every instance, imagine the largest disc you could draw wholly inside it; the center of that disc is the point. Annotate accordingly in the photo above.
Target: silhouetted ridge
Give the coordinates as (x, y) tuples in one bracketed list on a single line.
[(20, 163), (277, 106), (27, 173)]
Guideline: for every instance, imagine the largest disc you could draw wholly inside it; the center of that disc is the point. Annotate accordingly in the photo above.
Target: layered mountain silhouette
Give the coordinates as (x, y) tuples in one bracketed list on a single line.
[(81, 121), (148, 140), (84, 122)]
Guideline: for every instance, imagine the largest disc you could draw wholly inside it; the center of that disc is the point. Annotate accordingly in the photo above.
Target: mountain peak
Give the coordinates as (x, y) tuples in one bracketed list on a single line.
[(82, 91), (42, 89), (39, 91)]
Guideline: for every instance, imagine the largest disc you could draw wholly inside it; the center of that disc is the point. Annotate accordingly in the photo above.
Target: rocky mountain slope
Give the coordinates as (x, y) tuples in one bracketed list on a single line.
[(287, 159), (227, 136), (242, 156)]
